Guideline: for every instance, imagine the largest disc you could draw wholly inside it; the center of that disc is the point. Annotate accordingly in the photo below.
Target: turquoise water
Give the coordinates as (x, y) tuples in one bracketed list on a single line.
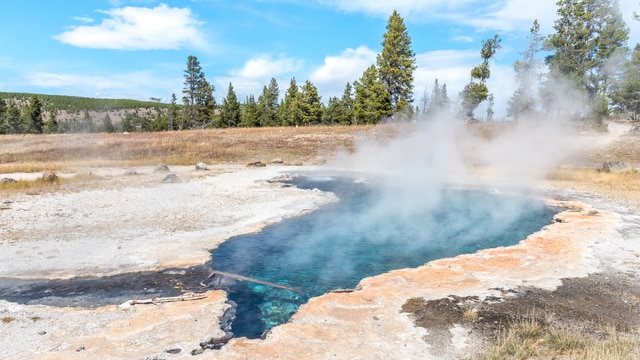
[(370, 231)]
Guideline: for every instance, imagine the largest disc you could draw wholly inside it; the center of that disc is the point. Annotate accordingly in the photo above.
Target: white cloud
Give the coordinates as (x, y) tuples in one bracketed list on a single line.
[(257, 73), (83, 19), (264, 67), (511, 16), (336, 71), (139, 28)]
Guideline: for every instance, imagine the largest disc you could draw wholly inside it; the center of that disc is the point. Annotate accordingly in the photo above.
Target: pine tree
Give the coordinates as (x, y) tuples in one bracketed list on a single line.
[(310, 104), (107, 124), (372, 100), (250, 113), (33, 121), (51, 126), (625, 95), (172, 115), (588, 33), (290, 109), (523, 101), (13, 119), (396, 64), (268, 102), (476, 91), (345, 115), (230, 111), (198, 96), (3, 116)]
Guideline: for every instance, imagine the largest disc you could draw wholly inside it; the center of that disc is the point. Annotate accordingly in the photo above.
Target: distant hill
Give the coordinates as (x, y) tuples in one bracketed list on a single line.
[(78, 104), (84, 114)]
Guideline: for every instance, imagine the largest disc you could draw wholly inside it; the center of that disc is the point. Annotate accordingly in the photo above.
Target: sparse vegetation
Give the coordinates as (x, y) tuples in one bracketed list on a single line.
[(529, 339), (8, 319)]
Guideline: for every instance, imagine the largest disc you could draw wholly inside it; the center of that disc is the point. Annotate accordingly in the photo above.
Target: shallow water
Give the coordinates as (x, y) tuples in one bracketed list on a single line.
[(368, 232)]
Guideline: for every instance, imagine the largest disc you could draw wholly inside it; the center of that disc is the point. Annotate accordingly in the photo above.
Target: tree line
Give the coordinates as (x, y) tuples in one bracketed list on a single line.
[(587, 54)]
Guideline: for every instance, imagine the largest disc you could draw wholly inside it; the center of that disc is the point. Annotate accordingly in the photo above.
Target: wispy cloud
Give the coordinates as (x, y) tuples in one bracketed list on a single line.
[(256, 73), (83, 19), (264, 66), (336, 71), (139, 28)]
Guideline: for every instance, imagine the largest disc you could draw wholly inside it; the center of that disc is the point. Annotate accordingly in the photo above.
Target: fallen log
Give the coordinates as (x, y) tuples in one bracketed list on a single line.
[(159, 300), (250, 279)]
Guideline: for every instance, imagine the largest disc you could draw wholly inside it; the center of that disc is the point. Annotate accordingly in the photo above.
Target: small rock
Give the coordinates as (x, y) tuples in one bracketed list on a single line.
[(615, 166), (42, 332), (171, 178), (173, 350), (7, 180), (161, 168), (277, 161), (131, 172), (49, 177), (201, 166), (256, 163)]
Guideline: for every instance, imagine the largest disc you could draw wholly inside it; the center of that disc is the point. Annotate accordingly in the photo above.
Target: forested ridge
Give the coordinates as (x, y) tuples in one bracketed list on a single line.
[(585, 63)]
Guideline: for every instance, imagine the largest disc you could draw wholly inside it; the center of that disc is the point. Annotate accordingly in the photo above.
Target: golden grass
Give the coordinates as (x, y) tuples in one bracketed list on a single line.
[(530, 340), (624, 185), (292, 145)]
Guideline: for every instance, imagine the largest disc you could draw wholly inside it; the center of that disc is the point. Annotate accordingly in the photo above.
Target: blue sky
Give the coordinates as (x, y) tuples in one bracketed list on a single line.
[(138, 49)]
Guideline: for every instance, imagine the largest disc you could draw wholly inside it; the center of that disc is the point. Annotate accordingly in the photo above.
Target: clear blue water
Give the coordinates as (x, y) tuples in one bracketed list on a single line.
[(369, 232)]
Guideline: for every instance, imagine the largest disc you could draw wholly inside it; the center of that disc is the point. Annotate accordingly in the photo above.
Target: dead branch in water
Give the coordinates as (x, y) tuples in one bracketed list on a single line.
[(159, 300), (250, 279)]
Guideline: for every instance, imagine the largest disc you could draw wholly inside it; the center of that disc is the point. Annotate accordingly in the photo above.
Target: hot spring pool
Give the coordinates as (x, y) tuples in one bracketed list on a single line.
[(368, 232)]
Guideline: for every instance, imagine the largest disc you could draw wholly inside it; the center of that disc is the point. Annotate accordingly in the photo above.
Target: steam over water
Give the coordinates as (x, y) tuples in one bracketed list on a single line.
[(371, 230), (337, 246)]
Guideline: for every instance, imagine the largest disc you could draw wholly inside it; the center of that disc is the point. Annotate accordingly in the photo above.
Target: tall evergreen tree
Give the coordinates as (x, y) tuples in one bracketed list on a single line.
[(51, 126), (290, 109), (625, 96), (396, 64), (345, 115), (250, 113), (107, 124), (439, 100), (476, 91), (268, 102), (172, 115), (310, 104), (588, 33), (13, 121), (372, 100), (198, 95), (230, 111), (3, 117), (33, 121), (523, 101)]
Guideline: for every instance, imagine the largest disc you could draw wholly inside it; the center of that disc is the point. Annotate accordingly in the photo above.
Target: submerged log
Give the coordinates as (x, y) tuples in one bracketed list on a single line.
[(250, 279)]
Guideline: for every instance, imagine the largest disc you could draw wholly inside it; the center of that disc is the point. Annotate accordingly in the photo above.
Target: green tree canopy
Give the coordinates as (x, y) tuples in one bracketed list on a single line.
[(588, 33), (372, 100), (230, 112), (198, 96), (396, 64), (476, 91), (524, 99)]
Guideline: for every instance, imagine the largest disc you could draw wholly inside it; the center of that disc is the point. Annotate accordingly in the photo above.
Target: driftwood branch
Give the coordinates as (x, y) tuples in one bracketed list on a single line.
[(159, 300), (250, 279)]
